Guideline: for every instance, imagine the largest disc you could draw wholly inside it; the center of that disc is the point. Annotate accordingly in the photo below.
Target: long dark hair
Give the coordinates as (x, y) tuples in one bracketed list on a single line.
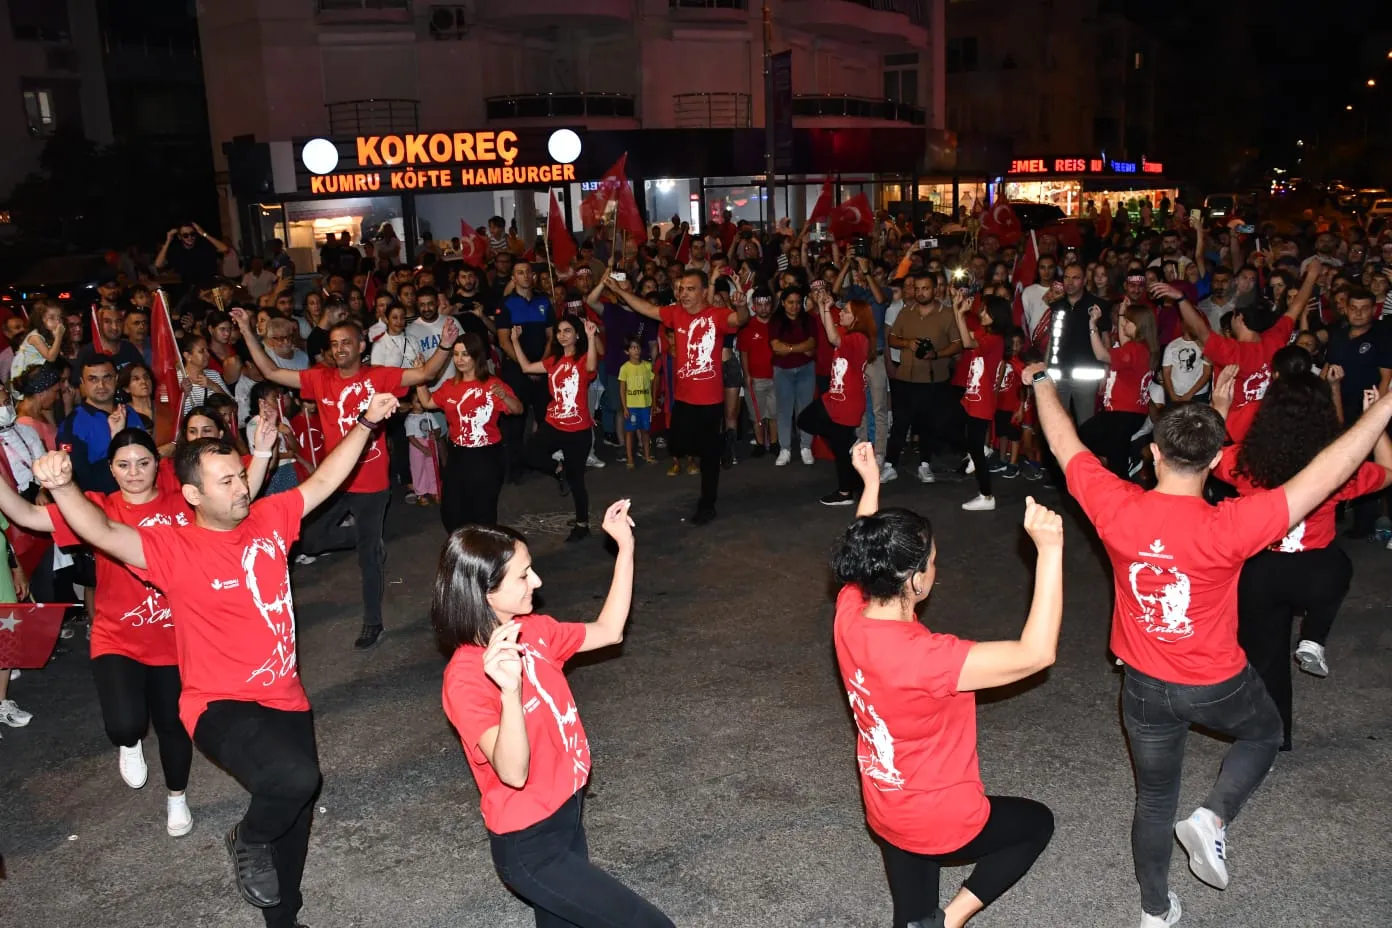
[(1296, 421), (880, 553), (582, 341), (473, 563), (473, 343), (207, 412)]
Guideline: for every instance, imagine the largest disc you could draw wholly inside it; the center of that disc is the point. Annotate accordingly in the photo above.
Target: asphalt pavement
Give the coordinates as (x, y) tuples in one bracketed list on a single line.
[(724, 786)]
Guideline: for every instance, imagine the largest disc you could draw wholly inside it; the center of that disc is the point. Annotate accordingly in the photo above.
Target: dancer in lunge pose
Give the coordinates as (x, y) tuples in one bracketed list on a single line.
[(912, 693), (506, 694), (227, 580)]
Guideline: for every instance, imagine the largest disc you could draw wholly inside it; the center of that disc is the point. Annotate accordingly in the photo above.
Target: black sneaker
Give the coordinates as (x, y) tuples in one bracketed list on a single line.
[(578, 533), (837, 499), (368, 638), (253, 870), (561, 483), (702, 516), (758, 451), (612, 440), (937, 920), (775, 449)]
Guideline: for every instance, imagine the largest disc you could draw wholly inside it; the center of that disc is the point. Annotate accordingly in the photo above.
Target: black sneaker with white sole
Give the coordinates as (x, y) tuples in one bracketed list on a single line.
[(837, 498)]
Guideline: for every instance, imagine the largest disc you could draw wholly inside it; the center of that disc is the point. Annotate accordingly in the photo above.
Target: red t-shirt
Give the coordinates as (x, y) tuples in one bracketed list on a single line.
[(697, 358), (569, 382), (1127, 387), (1175, 564), (979, 396), (1317, 530), (230, 592), (560, 761), (1239, 419), (916, 733), (962, 372), (1012, 376), (1253, 359), (753, 341), (132, 618), (472, 411), (844, 398), (341, 400)]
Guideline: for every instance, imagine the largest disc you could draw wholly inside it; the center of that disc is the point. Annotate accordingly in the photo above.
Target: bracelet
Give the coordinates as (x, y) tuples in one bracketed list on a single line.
[(367, 423), (260, 454)]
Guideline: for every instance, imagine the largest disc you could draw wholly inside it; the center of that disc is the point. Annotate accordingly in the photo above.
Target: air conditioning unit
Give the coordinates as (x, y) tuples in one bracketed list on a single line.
[(449, 22)]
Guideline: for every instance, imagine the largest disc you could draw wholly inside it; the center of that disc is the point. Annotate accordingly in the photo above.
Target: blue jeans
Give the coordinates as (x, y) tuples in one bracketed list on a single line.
[(793, 388), (1158, 716)]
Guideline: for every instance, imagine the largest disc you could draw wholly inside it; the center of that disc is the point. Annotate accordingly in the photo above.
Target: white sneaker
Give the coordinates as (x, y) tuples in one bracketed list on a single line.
[(1206, 843), (807, 455), (13, 715), (784, 457), (980, 503), (969, 467), (14, 674), (888, 473), (180, 820), (558, 456), (1310, 654), (925, 473), (411, 499), (593, 460), (1166, 920), (305, 559), (133, 769)]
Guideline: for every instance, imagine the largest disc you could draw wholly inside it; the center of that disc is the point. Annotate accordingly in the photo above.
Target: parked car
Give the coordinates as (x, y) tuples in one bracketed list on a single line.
[(1381, 209), (1037, 215), (69, 279)]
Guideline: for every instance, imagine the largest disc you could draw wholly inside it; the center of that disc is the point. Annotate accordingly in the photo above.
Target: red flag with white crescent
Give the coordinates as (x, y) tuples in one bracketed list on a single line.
[(28, 632), (1000, 220), (167, 364), (558, 238), (822, 208), (853, 217), (473, 246)]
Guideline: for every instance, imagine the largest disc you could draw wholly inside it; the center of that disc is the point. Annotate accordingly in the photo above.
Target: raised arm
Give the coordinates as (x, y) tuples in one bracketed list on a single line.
[(591, 346), (824, 312), (528, 366), (997, 663), (1333, 466), (22, 512), (634, 302), (1295, 306), (961, 302), (608, 629), (863, 460), (335, 468), (264, 444), (268, 368), (426, 400), (54, 473), (1053, 418), (1100, 350), (430, 371)]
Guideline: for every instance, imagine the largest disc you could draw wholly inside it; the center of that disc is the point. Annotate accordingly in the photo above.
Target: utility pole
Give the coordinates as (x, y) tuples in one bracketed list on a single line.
[(770, 217)]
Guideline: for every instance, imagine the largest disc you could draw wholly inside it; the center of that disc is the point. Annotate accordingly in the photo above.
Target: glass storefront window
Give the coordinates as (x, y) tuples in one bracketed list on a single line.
[(1067, 195), (742, 196), (1131, 199), (308, 223), (669, 197)]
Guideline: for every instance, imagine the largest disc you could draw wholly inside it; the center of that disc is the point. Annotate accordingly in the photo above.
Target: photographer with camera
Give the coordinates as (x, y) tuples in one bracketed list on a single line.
[(920, 393)]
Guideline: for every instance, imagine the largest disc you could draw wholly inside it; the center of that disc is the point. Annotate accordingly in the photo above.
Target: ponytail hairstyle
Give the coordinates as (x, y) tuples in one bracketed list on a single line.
[(879, 553)]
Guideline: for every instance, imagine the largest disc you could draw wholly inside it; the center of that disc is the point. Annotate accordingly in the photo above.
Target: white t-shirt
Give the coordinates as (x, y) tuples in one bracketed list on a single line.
[(241, 392), (299, 361), (1032, 301), (427, 336), (396, 350), (1186, 362), (258, 285), (23, 447), (892, 313), (420, 425)]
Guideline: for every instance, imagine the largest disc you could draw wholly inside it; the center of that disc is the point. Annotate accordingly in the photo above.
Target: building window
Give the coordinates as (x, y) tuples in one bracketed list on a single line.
[(39, 21), (38, 108), (1138, 62), (901, 78), (961, 55)]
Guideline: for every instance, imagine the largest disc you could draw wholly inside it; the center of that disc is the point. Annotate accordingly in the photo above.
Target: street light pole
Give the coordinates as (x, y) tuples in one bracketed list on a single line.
[(769, 165)]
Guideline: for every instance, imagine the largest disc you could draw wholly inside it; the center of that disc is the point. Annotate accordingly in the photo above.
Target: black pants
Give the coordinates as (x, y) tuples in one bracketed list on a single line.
[(324, 532), (1366, 510), (922, 408), (399, 448), (575, 450), (815, 420), (697, 431), (473, 481), (136, 696), (271, 753), (1011, 841), (1108, 435), (978, 430), (1274, 587), (531, 393), (548, 865)]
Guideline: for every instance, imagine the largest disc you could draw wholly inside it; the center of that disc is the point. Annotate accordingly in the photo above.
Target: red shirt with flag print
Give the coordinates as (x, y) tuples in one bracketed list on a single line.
[(916, 732), (230, 594), (569, 383), (979, 395), (696, 360), (1127, 387), (560, 752), (1317, 530), (753, 342), (472, 411), (341, 400), (844, 398), (131, 617), (1175, 566), (1253, 359), (1012, 376)]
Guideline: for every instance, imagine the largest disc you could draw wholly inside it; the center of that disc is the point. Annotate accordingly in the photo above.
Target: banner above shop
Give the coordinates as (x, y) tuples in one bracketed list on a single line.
[(1090, 164)]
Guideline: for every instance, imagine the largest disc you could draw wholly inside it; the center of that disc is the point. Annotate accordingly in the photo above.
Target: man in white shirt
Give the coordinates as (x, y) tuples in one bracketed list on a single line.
[(1220, 300), (280, 345), (258, 281)]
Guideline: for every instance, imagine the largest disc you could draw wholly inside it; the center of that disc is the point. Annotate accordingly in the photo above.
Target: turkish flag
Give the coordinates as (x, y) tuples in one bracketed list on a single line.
[(28, 632), (853, 217), (563, 250), (1000, 220), (1067, 233), (310, 437), (615, 180), (684, 249), (629, 219), (473, 247), (168, 363), (97, 341), (1026, 270), (822, 208)]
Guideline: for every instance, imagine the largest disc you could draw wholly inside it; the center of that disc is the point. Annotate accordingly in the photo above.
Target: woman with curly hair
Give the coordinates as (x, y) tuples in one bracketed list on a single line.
[(1305, 572)]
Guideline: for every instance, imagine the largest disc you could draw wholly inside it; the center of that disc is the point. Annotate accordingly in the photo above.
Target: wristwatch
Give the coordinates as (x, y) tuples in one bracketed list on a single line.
[(1039, 377)]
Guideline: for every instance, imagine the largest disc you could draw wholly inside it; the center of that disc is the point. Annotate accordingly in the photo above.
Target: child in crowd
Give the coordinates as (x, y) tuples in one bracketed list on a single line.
[(635, 396), (420, 432), (756, 354), (268, 399), (1010, 410)]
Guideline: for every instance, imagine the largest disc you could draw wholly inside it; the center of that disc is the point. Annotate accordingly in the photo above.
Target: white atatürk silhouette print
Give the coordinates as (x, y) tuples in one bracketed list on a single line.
[(1107, 390), (1295, 541), (875, 753), (352, 402), (1146, 380), (837, 388), (1254, 386), (1164, 605), (472, 426), (975, 373), (565, 392), (566, 720), (699, 363), (276, 610)]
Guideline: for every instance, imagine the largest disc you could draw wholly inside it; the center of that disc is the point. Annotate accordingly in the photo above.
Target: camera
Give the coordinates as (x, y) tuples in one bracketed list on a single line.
[(618, 276), (860, 247), (922, 348), (927, 243)]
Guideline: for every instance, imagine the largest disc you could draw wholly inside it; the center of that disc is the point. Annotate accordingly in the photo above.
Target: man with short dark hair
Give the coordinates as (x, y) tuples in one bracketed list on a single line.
[(112, 345), (192, 254), (1175, 563), (335, 312), (227, 579), (86, 432), (136, 328), (535, 319)]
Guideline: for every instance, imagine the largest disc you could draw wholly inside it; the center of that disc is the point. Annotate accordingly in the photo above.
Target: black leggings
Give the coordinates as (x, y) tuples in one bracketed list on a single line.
[(978, 430), (1273, 588), (136, 696), (815, 420), (1011, 841), (1108, 435), (473, 480), (575, 450), (548, 865)]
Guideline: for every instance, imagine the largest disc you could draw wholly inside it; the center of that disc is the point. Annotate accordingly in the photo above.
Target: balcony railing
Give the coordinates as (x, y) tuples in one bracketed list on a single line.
[(918, 11), (857, 107), (708, 4), (561, 106), (341, 6), (355, 117), (711, 110)]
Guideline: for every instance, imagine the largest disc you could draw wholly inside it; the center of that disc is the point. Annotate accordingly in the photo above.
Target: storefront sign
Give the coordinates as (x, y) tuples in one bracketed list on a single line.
[(442, 178), (1088, 165)]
